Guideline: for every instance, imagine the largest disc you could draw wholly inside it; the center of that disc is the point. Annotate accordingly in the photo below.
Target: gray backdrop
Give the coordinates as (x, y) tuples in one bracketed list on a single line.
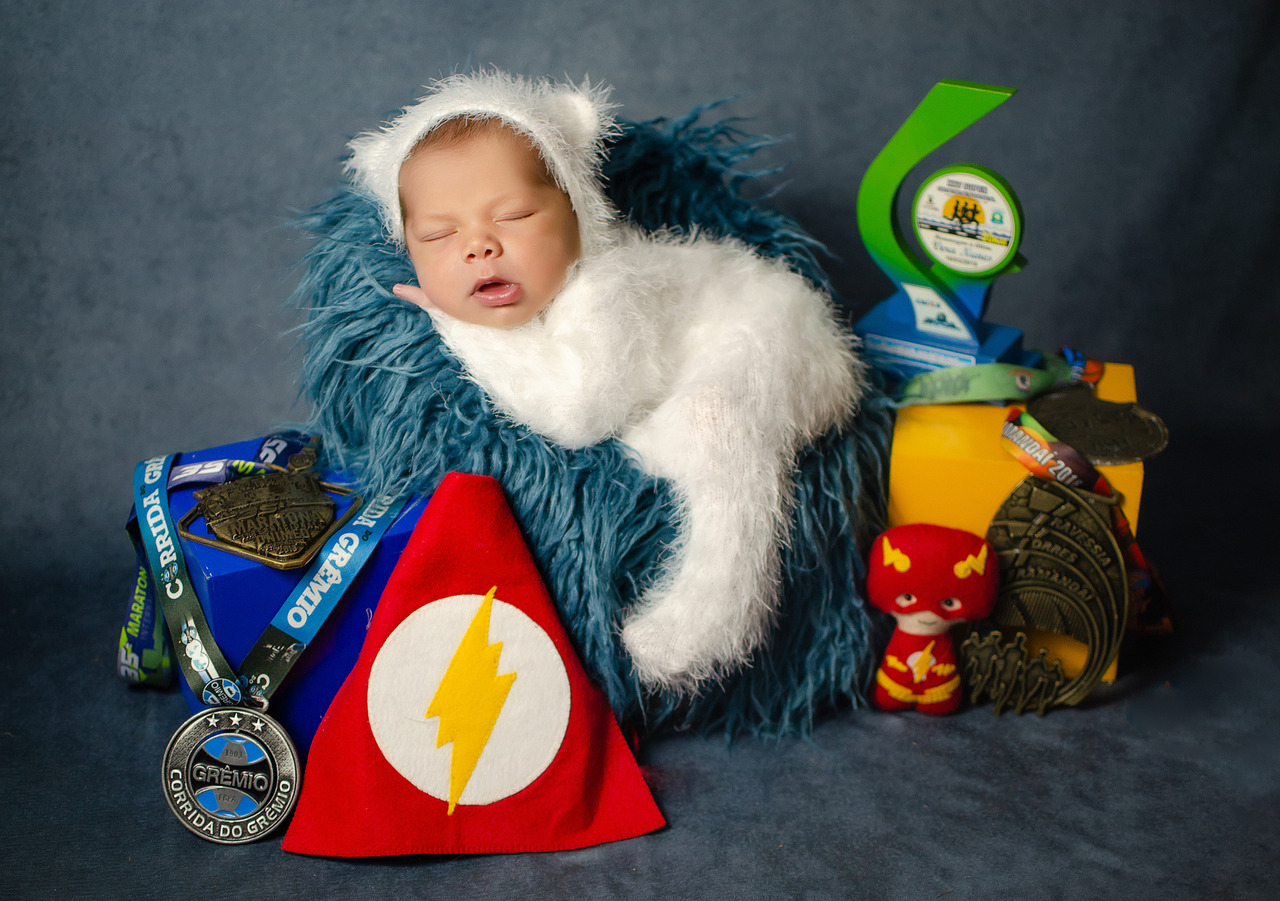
[(151, 157)]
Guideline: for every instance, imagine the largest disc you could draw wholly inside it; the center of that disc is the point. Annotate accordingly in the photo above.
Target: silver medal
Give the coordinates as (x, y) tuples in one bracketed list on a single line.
[(231, 775)]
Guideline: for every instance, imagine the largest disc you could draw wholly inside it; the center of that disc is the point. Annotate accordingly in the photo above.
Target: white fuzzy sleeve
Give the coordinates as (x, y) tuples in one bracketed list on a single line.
[(577, 373), (715, 367)]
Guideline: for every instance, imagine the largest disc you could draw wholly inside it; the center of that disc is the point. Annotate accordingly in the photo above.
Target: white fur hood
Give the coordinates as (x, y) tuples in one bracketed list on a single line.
[(568, 123)]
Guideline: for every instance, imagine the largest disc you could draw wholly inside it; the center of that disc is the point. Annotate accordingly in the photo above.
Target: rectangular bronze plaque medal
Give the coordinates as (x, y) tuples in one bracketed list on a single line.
[(280, 518)]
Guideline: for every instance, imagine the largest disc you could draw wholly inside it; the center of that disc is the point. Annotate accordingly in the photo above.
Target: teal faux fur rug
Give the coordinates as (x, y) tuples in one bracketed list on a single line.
[(396, 413)]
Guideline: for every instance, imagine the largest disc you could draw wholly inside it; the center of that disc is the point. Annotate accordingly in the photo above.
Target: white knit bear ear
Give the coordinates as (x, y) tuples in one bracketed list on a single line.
[(581, 114)]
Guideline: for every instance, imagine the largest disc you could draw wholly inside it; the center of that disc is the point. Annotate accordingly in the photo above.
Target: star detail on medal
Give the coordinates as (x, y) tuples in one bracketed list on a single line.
[(235, 719), (257, 725), (212, 719)]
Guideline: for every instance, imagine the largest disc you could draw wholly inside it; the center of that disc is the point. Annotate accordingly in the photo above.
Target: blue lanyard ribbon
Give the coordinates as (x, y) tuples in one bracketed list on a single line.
[(143, 650), (295, 625), (316, 595)]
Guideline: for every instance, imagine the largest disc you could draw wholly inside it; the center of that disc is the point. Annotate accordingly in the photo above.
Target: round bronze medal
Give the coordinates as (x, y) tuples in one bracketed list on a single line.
[(231, 775), (1107, 433), (1061, 571)]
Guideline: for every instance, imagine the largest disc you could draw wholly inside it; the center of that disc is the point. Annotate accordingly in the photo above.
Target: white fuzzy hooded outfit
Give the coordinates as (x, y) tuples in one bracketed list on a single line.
[(713, 365)]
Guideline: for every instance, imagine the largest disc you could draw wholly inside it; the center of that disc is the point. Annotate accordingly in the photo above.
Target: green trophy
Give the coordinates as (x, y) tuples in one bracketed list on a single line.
[(969, 224)]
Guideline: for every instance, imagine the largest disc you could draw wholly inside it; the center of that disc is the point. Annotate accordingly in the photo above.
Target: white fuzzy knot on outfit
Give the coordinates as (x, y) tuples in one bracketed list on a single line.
[(713, 365)]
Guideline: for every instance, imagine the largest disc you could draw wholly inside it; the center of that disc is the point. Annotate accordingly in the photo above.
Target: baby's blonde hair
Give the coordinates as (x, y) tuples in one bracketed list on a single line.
[(458, 130)]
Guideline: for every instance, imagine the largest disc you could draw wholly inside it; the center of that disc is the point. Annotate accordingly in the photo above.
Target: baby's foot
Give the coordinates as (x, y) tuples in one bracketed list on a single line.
[(679, 639)]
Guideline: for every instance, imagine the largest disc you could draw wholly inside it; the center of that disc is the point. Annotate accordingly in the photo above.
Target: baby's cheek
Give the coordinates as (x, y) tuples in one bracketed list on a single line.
[(427, 278)]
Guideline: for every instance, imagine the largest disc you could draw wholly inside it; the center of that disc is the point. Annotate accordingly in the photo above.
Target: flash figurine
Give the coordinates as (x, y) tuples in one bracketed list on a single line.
[(928, 578)]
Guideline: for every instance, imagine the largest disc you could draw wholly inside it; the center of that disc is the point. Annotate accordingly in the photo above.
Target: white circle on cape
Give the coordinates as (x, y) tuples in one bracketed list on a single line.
[(528, 730)]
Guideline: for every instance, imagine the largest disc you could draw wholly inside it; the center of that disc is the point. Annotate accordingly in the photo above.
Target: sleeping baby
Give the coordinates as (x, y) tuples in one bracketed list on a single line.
[(713, 366)]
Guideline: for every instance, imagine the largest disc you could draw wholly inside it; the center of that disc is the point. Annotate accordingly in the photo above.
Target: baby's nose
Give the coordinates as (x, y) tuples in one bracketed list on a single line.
[(482, 247)]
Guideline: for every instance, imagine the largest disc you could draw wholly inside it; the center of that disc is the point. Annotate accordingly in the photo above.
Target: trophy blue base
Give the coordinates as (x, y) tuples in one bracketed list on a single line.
[(900, 350), (240, 597)]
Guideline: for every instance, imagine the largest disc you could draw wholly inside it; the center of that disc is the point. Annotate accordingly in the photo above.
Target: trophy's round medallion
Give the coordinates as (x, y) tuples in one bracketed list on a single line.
[(968, 219), (231, 775)]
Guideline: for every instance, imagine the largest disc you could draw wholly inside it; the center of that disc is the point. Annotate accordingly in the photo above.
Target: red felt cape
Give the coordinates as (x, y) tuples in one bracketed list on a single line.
[(467, 695)]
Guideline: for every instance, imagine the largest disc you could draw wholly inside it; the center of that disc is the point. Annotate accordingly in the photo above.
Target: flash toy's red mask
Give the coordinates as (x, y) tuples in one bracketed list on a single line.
[(930, 577)]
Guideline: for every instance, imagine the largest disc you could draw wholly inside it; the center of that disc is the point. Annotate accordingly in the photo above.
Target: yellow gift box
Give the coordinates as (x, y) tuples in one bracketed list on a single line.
[(948, 467)]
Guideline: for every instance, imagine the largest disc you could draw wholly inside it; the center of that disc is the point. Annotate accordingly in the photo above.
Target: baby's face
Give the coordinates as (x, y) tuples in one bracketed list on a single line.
[(489, 238)]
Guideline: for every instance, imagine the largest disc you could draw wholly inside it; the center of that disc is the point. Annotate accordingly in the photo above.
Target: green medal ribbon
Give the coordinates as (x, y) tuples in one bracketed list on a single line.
[(990, 382), (143, 651)]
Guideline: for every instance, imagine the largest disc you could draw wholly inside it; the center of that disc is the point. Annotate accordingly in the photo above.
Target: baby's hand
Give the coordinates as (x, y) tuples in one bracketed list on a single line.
[(414, 295)]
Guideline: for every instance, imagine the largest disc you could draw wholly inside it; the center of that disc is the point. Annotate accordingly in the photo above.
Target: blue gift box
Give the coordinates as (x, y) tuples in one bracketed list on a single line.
[(240, 596)]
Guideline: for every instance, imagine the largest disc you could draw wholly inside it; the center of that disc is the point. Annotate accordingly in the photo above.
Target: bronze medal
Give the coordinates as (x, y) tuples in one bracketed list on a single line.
[(281, 518), (1062, 572), (1107, 433)]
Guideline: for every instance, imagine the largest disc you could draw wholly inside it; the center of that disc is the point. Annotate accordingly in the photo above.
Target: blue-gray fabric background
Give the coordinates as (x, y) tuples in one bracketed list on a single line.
[(151, 155)]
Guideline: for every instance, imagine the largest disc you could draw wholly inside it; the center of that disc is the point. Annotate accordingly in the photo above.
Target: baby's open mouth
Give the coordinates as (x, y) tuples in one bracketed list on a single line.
[(495, 292)]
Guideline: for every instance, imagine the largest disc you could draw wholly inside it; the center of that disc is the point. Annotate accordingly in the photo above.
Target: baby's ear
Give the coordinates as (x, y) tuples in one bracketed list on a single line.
[(582, 114)]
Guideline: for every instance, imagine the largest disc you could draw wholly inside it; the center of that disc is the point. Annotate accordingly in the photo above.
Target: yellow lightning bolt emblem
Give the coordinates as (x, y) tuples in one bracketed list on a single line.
[(971, 564), (469, 698), (895, 558), (923, 662)]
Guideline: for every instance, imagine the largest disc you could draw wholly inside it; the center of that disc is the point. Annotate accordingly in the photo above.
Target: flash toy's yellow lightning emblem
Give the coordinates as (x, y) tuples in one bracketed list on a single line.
[(469, 699), (895, 558), (971, 564), (922, 663)]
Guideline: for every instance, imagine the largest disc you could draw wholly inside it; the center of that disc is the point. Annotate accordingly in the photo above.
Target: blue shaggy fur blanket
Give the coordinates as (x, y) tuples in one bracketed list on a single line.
[(396, 412)]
